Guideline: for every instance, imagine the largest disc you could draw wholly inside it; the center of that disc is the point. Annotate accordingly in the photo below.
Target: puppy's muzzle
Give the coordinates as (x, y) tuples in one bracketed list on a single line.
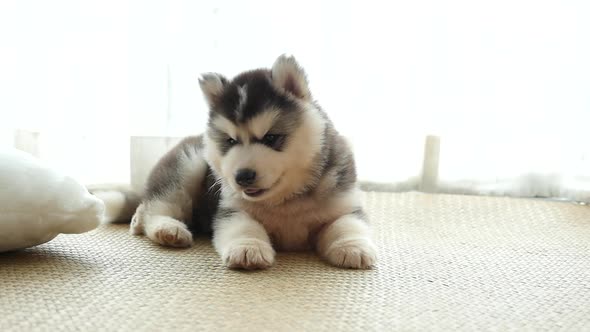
[(245, 177)]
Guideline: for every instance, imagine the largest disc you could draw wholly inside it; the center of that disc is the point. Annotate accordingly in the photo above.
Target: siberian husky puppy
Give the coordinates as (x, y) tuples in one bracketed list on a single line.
[(270, 173)]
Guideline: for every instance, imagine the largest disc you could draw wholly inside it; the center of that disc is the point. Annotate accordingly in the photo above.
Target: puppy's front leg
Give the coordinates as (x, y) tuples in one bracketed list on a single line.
[(241, 241), (347, 243)]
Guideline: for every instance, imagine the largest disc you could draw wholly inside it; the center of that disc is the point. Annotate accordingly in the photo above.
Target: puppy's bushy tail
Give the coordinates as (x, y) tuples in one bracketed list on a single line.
[(120, 201)]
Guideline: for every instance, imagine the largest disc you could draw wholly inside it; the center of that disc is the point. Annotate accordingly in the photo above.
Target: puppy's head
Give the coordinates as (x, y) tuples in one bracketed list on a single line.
[(263, 132)]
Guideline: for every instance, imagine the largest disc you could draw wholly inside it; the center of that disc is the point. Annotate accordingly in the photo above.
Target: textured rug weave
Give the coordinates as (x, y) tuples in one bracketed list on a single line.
[(446, 263)]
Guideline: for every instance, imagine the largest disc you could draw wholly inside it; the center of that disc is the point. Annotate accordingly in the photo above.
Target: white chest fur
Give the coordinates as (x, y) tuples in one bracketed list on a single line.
[(294, 225)]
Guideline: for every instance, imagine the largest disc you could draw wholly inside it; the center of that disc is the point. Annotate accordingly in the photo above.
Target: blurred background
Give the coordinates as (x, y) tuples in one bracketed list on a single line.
[(504, 86)]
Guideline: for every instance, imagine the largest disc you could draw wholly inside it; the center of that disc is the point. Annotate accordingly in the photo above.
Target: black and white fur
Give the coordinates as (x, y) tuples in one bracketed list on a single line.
[(270, 173)]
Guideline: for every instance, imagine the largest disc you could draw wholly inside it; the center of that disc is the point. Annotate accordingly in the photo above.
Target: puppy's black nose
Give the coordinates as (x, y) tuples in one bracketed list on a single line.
[(245, 176)]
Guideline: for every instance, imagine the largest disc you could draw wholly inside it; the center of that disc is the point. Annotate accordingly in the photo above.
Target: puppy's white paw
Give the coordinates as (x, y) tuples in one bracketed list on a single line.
[(249, 254), (359, 253), (170, 232), (174, 236)]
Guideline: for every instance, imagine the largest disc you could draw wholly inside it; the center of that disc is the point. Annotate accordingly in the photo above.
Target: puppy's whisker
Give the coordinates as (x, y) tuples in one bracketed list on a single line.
[(215, 183), (221, 188)]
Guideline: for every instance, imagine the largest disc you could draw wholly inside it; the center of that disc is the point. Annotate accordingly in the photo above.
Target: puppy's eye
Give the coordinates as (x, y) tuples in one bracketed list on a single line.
[(231, 142), (270, 139)]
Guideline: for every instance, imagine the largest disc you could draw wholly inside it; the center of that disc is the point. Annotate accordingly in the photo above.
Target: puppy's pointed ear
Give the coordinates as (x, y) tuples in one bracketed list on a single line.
[(288, 76), (212, 85)]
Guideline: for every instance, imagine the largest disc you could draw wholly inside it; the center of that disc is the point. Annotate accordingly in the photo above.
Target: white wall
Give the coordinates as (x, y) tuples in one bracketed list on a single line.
[(504, 83)]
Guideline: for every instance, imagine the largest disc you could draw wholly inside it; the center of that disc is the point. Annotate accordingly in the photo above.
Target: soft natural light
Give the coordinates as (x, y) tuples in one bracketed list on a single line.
[(505, 84)]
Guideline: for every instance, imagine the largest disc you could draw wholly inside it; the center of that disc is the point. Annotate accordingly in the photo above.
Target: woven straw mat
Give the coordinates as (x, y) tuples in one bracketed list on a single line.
[(445, 263)]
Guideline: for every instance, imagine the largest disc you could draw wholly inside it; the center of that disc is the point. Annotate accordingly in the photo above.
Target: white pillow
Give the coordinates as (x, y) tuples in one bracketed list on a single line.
[(37, 203)]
